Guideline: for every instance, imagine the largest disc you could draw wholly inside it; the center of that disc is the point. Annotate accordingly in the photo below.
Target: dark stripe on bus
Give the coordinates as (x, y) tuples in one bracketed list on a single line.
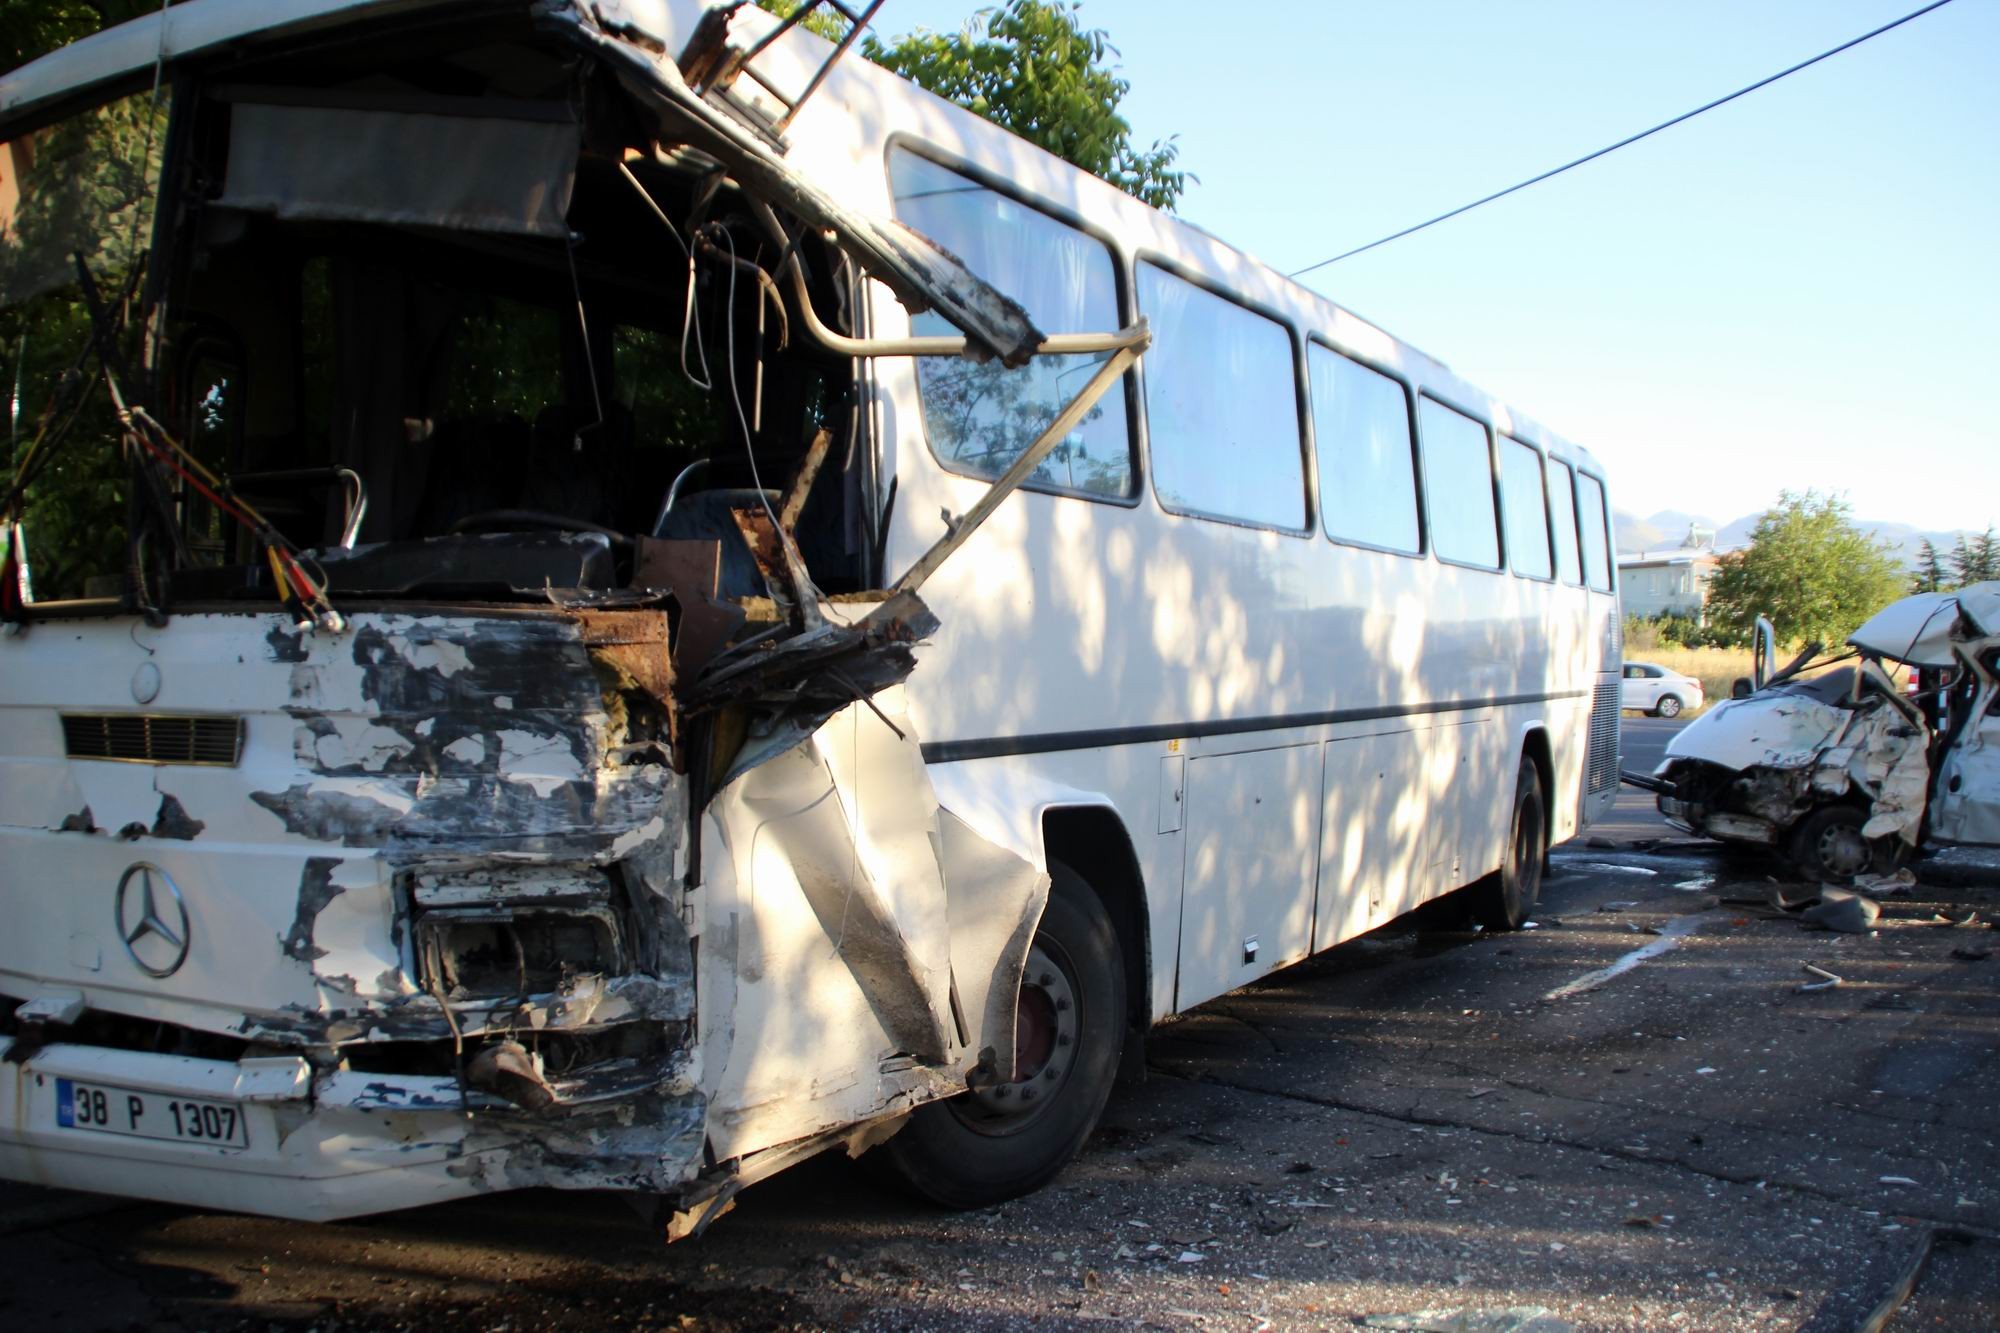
[(993, 747)]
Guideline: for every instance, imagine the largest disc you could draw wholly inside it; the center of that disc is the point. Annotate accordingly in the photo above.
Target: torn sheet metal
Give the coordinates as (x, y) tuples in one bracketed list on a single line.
[(1920, 629), (922, 276), (861, 947)]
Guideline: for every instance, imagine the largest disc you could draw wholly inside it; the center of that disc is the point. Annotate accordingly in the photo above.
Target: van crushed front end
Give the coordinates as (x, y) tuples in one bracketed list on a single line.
[(1847, 773)]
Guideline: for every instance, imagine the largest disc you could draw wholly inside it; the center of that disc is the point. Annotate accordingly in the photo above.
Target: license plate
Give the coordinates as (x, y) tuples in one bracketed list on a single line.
[(149, 1115)]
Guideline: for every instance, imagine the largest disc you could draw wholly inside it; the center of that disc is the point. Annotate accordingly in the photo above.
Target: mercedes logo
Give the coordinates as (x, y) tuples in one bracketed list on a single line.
[(152, 920)]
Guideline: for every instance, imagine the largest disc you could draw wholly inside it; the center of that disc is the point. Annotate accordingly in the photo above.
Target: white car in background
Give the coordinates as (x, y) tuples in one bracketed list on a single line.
[(1656, 690)]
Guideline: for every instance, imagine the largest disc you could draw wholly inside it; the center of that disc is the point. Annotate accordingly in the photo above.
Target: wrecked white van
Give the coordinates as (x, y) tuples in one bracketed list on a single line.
[(1844, 772)]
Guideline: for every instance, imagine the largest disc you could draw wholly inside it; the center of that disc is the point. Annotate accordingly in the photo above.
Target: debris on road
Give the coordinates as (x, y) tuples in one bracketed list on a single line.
[(1878, 1318), (1829, 982), (1843, 910), (1899, 885)]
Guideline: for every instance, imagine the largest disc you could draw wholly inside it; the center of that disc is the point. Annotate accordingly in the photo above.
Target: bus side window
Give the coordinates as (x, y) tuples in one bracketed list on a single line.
[(1526, 505), (1562, 522), (1596, 545), (980, 417), (1222, 407), (1367, 458), (1458, 479)]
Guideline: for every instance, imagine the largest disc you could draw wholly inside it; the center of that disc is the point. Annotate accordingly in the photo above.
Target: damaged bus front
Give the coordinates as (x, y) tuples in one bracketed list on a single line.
[(450, 725), (1844, 773)]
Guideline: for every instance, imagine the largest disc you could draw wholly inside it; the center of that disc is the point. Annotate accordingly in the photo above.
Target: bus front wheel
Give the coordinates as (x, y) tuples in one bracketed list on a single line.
[(999, 1142), (1504, 898)]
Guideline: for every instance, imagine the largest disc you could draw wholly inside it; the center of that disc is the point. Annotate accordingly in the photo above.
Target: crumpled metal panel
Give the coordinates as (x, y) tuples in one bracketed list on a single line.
[(861, 948), (1920, 628), (1771, 730)]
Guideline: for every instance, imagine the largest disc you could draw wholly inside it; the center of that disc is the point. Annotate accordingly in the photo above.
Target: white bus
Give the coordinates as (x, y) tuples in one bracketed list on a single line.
[(662, 601)]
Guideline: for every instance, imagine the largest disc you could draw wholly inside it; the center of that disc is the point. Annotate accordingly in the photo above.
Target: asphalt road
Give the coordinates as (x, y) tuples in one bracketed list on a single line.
[(1412, 1122)]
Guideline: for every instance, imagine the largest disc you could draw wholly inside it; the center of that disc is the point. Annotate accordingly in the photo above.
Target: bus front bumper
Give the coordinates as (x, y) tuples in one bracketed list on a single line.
[(264, 1136)]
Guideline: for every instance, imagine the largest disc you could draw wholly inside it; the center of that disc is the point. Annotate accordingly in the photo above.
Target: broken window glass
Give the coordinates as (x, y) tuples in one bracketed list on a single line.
[(981, 417), (82, 187)]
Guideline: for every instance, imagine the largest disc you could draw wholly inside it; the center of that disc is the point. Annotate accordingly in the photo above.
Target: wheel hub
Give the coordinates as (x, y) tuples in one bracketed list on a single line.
[(1843, 850), (1046, 1019)]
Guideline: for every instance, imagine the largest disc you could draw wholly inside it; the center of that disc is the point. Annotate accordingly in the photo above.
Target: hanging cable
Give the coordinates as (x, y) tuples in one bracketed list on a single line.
[(583, 329), (1622, 143), (736, 395)]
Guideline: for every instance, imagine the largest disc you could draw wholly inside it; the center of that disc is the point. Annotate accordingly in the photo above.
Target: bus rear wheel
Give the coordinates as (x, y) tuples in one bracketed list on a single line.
[(1504, 898), (1000, 1142)]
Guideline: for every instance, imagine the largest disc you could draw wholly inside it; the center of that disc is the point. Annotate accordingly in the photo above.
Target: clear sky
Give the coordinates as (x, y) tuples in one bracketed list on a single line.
[(1798, 289)]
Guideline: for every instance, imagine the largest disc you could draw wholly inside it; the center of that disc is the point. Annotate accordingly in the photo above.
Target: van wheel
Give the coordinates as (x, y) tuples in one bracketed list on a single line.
[(1000, 1142), (1504, 898), (1827, 846), (1669, 705)]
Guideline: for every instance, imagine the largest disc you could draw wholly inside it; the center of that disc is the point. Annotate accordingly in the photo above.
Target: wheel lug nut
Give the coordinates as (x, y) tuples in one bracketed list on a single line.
[(1027, 1094), (1045, 980), (1062, 1006), (1001, 1091), (1063, 1040), (1053, 1071)]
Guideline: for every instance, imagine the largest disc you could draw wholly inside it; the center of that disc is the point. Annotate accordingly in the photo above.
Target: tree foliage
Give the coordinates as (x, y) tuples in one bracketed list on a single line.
[(29, 28), (1031, 67), (1809, 569), (1975, 561), (1929, 575)]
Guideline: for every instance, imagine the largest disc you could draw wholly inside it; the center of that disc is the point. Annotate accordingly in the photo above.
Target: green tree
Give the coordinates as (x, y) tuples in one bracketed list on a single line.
[(1977, 560), (1807, 568), (29, 28), (1030, 66), (1929, 575)]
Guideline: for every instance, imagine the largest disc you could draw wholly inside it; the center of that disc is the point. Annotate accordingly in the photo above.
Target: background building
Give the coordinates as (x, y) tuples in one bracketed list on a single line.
[(1675, 582)]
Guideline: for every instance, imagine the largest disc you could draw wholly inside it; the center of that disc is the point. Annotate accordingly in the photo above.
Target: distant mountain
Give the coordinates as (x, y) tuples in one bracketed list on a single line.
[(1665, 530)]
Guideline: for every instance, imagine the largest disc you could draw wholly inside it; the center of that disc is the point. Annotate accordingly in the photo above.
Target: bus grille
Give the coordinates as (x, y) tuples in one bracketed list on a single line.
[(153, 738), (1603, 754)]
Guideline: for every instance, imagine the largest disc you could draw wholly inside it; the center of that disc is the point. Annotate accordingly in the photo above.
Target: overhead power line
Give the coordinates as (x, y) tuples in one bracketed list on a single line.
[(1630, 139)]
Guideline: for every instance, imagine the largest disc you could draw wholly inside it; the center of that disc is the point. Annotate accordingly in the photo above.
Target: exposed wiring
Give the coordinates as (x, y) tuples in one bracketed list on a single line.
[(583, 328), (1622, 143), (736, 397), (688, 321), (302, 593)]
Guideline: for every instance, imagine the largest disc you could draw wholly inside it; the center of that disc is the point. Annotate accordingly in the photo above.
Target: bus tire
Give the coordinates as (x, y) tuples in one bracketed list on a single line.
[(1504, 898), (998, 1143)]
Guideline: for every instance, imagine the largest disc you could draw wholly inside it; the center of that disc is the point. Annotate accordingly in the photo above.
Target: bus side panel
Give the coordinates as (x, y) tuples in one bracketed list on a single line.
[(1372, 834), (1252, 827)]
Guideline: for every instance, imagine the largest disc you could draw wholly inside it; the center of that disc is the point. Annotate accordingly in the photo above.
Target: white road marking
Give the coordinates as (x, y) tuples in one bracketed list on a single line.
[(1670, 935)]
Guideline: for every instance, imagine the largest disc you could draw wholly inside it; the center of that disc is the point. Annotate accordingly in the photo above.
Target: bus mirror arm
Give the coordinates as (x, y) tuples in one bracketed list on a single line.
[(1133, 342)]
